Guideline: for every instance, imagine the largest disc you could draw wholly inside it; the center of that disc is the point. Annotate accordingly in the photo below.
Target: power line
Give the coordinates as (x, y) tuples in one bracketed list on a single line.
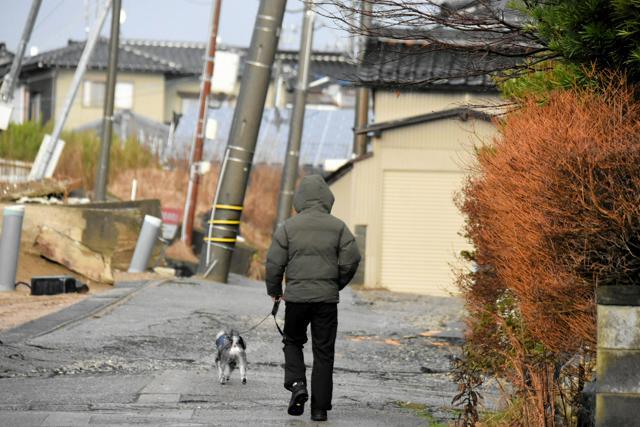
[(48, 15)]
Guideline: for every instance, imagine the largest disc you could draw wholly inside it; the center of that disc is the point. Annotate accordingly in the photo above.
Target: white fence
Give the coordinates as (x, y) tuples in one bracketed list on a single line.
[(14, 171)]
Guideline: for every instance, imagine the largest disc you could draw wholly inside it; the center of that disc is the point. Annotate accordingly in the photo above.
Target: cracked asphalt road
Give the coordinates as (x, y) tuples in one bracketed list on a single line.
[(143, 353)]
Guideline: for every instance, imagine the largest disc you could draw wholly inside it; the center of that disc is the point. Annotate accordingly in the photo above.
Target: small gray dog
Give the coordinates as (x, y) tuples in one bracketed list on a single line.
[(231, 355)]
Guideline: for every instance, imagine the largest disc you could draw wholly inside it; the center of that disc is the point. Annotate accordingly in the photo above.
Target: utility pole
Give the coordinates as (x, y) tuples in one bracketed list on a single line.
[(102, 174), (362, 93), (291, 164), (236, 166), (196, 148), (51, 146), (10, 80)]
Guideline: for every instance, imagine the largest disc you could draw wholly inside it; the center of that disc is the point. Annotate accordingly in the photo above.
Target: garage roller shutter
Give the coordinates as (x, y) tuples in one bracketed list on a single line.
[(420, 231)]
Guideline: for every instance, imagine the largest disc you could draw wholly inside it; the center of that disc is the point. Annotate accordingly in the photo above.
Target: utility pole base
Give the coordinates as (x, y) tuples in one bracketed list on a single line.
[(218, 270)]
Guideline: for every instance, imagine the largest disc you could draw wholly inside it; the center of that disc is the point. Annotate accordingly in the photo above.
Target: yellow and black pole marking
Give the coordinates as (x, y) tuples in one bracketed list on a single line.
[(224, 227)]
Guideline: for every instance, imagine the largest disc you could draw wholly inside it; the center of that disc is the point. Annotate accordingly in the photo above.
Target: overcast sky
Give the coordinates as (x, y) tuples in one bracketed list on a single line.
[(184, 20)]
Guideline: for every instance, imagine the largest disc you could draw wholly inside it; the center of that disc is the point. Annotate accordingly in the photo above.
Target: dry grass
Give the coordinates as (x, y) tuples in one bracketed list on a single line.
[(80, 157), (169, 186)]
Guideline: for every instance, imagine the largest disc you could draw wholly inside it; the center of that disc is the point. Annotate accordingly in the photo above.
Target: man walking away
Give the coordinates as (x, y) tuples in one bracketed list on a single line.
[(318, 254)]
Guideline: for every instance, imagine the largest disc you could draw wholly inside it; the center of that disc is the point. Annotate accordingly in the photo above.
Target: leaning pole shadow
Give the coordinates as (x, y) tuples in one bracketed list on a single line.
[(224, 223)]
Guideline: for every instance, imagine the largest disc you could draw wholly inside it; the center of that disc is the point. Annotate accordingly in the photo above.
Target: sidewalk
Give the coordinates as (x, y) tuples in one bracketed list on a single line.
[(143, 354)]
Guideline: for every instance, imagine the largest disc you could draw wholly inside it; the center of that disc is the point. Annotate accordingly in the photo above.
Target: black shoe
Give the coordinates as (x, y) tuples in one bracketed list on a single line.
[(318, 415), (299, 397)]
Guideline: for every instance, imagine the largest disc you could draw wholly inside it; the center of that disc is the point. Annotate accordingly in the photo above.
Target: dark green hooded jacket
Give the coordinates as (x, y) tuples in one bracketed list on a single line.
[(314, 250)]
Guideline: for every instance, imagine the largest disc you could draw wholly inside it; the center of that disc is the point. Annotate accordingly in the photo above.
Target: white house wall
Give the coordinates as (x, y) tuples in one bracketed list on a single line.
[(342, 205), (391, 105), (443, 148)]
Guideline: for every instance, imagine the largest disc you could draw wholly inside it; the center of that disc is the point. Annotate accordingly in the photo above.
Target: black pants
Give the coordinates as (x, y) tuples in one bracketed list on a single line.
[(324, 324)]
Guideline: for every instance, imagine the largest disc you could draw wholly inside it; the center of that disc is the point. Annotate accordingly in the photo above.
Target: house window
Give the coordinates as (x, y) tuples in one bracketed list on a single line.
[(94, 92)]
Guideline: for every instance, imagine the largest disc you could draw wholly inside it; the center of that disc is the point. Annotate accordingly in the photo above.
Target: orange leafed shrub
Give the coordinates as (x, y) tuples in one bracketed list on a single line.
[(553, 210)]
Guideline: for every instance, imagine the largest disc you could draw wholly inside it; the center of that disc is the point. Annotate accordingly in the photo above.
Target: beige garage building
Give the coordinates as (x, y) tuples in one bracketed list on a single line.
[(399, 197), (431, 106)]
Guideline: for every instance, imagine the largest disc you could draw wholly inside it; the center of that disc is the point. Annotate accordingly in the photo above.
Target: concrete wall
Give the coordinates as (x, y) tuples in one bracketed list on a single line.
[(148, 96), (618, 359)]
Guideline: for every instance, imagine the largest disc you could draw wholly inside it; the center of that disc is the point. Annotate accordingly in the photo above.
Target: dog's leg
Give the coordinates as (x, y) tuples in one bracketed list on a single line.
[(220, 376), (243, 367), (227, 373)]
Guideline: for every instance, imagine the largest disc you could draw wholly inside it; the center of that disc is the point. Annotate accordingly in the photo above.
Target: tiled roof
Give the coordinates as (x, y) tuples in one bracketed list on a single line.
[(394, 62), (132, 56), (174, 58)]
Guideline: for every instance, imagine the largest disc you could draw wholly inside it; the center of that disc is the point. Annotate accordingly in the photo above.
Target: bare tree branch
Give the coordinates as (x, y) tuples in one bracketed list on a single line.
[(480, 38)]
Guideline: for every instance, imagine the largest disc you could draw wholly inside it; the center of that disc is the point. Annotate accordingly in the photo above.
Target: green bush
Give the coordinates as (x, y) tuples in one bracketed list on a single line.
[(21, 141), (80, 156)]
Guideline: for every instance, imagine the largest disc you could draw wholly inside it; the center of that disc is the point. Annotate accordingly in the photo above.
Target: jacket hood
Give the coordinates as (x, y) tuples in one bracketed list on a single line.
[(313, 192)]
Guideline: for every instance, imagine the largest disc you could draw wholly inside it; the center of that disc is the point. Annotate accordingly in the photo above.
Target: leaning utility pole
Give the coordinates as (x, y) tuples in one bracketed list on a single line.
[(196, 149), (291, 164), (10, 80), (102, 174), (362, 93), (52, 146), (234, 173)]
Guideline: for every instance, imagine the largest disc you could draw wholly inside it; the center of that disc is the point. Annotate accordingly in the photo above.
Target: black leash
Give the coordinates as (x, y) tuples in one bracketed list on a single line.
[(274, 311)]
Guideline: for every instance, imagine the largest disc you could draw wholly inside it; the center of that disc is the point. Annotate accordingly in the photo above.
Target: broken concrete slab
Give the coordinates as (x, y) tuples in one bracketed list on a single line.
[(10, 192), (109, 230), (60, 248)]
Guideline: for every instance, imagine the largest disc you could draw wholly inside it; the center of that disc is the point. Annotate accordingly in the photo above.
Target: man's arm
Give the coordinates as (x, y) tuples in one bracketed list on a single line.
[(277, 258), (348, 257)]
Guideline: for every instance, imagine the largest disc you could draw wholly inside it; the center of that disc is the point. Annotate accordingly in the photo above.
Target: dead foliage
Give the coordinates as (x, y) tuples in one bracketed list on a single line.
[(553, 210), (169, 186)]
